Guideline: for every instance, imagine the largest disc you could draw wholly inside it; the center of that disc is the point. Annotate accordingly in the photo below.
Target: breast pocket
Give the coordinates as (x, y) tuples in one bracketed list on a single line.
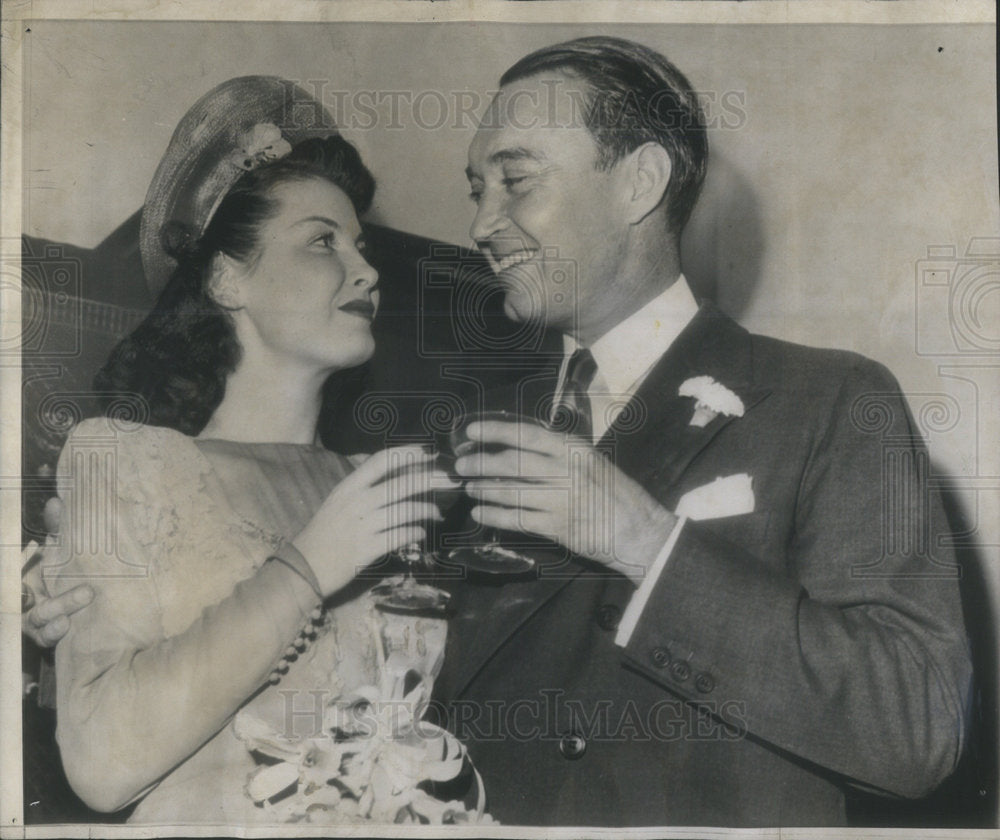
[(745, 529)]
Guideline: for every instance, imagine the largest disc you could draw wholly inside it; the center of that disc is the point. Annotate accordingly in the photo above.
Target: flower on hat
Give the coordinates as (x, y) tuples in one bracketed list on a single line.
[(261, 144), (712, 399)]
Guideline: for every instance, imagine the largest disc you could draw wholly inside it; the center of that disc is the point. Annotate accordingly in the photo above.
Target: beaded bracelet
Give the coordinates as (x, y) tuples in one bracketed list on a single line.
[(310, 630)]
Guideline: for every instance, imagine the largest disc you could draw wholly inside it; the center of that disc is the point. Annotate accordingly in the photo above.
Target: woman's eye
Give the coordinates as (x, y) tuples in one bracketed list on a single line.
[(327, 240)]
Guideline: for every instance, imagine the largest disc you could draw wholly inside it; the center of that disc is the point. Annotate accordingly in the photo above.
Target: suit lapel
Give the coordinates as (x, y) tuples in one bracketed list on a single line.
[(652, 440), (507, 605), (503, 609)]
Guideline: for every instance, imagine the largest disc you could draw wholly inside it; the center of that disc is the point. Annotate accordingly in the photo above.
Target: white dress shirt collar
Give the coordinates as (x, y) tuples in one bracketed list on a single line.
[(627, 352)]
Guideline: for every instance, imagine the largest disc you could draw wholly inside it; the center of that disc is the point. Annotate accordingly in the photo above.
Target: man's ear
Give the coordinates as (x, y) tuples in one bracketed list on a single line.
[(649, 171), (224, 285)]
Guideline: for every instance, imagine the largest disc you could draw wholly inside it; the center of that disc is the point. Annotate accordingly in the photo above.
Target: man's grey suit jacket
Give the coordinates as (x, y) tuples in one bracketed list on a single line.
[(784, 654)]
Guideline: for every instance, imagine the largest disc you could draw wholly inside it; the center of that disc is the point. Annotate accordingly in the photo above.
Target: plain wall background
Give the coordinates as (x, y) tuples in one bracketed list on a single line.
[(845, 153)]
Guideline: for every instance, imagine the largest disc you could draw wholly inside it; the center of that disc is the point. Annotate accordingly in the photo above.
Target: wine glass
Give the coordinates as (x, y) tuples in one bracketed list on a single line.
[(403, 593), (489, 557)]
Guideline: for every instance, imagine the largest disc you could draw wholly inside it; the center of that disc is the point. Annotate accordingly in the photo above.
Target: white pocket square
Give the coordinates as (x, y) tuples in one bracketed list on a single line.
[(731, 495)]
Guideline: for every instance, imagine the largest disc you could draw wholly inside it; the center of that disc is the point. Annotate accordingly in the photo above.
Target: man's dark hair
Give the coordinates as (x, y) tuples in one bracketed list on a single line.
[(636, 96), (179, 358)]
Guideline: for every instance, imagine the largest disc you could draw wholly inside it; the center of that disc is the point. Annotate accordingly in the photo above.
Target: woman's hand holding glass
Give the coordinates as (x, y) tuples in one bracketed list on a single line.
[(376, 510)]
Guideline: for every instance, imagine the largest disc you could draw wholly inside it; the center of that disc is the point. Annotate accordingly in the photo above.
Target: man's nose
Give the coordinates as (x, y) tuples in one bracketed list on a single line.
[(490, 218)]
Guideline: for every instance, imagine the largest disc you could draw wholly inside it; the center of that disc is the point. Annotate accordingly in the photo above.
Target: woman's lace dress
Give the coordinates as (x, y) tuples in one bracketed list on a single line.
[(191, 623)]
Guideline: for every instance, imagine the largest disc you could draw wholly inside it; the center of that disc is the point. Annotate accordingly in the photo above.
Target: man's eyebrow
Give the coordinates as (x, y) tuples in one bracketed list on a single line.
[(513, 154), (516, 153)]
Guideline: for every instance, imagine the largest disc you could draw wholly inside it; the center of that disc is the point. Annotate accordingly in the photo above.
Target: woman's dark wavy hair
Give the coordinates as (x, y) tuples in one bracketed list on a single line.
[(178, 359)]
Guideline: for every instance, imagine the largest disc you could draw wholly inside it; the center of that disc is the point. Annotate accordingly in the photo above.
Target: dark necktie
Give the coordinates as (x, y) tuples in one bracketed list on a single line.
[(573, 411)]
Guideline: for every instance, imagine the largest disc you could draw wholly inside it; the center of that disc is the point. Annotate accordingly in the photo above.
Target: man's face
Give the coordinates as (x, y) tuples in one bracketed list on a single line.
[(549, 221)]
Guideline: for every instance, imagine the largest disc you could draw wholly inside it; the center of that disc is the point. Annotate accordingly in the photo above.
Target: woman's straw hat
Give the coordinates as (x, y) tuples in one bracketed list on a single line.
[(231, 129)]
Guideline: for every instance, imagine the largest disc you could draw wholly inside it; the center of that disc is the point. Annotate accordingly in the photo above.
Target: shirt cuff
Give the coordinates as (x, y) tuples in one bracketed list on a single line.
[(633, 612)]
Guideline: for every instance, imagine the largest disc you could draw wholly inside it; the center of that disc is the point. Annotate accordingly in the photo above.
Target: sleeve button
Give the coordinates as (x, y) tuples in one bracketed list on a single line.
[(680, 670), (608, 616), (660, 657), (572, 746), (704, 683)]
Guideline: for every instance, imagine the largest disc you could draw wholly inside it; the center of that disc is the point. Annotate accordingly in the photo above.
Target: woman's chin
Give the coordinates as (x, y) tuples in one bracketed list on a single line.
[(343, 356), (359, 352)]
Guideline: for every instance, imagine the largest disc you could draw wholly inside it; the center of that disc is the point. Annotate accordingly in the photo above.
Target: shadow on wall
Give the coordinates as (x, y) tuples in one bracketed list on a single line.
[(978, 773), (723, 246)]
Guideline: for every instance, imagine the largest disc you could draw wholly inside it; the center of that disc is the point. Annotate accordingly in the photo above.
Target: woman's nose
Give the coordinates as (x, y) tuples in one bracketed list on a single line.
[(365, 277)]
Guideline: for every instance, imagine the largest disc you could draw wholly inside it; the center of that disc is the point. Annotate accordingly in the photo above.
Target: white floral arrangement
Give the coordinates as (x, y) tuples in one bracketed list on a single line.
[(372, 757), (368, 772), (711, 399)]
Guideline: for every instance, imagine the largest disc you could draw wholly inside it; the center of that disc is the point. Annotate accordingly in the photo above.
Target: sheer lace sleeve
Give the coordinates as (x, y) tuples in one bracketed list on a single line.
[(188, 619)]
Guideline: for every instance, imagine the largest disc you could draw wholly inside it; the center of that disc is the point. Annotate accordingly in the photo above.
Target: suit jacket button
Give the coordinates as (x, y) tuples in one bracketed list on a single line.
[(704, 683), (680, 670), (608, 616), (660, 657), (572, 746)]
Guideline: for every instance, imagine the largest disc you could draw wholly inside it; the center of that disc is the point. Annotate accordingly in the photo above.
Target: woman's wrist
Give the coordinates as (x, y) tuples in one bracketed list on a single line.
[(290, 556), (328, 574)]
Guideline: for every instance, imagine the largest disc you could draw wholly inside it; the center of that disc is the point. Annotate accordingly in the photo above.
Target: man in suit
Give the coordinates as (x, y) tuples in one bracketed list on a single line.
[(755, 609)]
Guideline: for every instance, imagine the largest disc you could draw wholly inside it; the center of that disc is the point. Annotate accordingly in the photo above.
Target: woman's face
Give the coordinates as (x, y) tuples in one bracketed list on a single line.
[(309, 297)]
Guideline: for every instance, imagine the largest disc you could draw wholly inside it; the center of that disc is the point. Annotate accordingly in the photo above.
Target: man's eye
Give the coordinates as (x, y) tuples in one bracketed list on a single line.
[(476, 196), (513, 181)]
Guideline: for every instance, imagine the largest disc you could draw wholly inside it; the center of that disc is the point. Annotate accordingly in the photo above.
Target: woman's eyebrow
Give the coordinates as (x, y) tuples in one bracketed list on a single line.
[(324, 219)]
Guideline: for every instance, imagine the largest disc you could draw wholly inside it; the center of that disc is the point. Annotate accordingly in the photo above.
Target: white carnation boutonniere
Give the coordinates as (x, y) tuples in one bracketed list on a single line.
[(261, 144), (712, 399)]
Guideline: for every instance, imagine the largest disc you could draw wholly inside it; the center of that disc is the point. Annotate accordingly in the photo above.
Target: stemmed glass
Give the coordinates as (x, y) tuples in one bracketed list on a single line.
[(404, 593), (489, 557)]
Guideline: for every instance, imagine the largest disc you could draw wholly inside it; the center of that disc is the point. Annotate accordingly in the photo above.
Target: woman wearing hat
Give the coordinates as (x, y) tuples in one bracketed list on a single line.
[(206, 680)]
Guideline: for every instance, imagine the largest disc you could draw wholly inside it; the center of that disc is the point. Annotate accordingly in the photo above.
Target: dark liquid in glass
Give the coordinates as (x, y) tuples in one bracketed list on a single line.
[(489, 557)]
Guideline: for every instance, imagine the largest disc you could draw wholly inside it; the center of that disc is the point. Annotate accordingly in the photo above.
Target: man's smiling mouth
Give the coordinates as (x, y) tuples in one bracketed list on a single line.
[(509, 260)]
